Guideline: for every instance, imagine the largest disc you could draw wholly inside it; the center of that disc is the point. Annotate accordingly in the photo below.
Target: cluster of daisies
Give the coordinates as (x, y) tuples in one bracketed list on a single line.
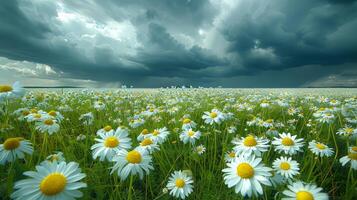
[(44, 122), (246, 170), (247, 173), (114, 145), (54, 178)]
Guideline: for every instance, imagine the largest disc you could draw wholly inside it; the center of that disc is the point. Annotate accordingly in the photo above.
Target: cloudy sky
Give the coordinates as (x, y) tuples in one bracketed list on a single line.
[(154, 43)]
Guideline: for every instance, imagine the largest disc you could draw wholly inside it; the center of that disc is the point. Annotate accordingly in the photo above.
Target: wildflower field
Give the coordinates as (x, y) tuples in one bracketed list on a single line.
[(178, 144)]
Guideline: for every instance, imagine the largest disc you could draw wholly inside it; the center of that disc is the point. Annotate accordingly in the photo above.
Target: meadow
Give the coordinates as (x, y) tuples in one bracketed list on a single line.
[(201, 143)]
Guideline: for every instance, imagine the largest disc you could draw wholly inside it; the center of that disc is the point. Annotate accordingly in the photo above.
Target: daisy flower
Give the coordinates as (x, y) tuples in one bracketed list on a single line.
[(251, 145), (265, 104), (48, 125), (180, 185), (87, 118), (149, 145), (134, 123), (159, 135), (188, 123), (200, 149), (105, 129), (56, 115), (81, 137), (14, 91), (287, 167), (272, 132), (215, 116), (350, 157), (190, 136), (300, 190), (268, 123), (327, 117), (142, 134), (133, 162), (288, 143), (320, 149), (14, 148), (109, 144), (98, 105), (22, 113), (56, 157), (36, 116), (246, 174), (51, 180), (230, 156), (232, 129), (347, 131), (150, 112), (353, 149)]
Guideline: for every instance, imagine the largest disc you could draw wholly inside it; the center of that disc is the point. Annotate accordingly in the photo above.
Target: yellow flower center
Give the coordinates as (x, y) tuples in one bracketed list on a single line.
[(287, 141), (191, 133), (180, 183), (245, 170), (53, 184), (133, 157), (320, 146), (33, 110), (107, 128), (213, 114), (156, 132), (144, 131), (352, 156), (146, 142), (25, 112), (186, 121), (349, 130), (111, 142), (54, 158), (304, 195), (284, 166), (269, 121), (232, 154), (12, 143), (354, 148), (37, 116), (250, 141), (52, 113), (5, 88), (48, 122)]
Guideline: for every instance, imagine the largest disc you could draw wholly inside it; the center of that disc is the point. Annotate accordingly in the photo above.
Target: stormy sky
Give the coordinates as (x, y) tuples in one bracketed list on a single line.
[(154, 43)]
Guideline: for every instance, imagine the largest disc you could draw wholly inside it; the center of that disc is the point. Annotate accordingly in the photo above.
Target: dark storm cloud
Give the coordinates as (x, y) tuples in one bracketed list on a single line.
[(289, 34), (258, 36), (166, 56), (29, 39), (293, 33), (341, 1)]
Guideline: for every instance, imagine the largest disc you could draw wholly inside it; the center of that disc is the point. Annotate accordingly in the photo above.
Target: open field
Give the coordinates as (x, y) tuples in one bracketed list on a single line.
[(225, 143)]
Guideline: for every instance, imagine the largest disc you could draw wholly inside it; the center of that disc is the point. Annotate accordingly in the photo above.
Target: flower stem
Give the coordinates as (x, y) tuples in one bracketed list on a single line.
[(130, 187)]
